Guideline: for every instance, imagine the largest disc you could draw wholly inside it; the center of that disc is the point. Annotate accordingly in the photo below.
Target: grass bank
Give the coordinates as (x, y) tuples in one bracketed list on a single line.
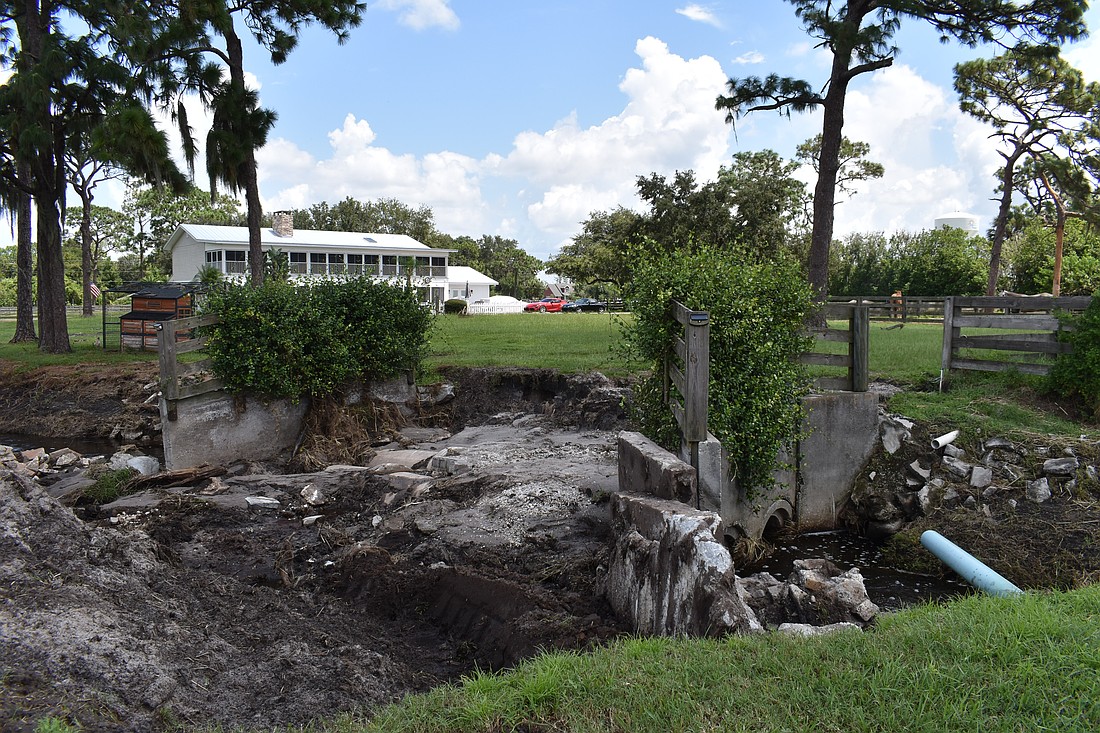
[(85, 337), (567, 342), (981, 663)]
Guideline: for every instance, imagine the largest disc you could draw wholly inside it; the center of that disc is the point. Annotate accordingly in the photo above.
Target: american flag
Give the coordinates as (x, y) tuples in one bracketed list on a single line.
[(94, 289)]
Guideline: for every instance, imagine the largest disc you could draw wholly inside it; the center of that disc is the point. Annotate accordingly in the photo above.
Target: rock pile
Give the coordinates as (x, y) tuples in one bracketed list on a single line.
[(1002, 471)]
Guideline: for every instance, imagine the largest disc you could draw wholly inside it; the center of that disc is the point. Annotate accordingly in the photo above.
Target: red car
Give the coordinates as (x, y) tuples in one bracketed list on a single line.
[(546, 305)]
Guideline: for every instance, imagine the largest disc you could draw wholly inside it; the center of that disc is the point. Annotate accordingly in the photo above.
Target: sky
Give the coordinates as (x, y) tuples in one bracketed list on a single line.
[(520, 119)]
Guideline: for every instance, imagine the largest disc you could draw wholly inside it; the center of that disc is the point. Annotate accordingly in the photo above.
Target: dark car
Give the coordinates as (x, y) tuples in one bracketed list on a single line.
[(546, 305), (584, 305)]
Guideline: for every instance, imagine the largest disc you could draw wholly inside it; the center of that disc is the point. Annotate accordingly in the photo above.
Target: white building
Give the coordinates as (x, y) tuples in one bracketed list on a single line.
[(324, 254), (468, 284)]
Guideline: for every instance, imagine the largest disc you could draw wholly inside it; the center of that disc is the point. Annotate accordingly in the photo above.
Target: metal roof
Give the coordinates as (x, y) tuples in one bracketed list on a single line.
[(302, 238)]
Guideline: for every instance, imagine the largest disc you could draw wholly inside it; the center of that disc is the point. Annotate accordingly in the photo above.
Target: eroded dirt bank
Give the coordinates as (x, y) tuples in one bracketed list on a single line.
[(200, 603)]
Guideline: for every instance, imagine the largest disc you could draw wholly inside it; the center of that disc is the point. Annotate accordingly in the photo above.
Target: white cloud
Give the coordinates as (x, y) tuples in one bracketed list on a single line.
[(913, 126), (668, 123), (446, 182), (700, 14), (750, 57), (549, 182), (421, 14)]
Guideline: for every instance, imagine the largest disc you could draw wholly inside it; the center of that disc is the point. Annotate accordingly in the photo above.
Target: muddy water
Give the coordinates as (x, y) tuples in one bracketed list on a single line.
[(888, 587), (83, 446)]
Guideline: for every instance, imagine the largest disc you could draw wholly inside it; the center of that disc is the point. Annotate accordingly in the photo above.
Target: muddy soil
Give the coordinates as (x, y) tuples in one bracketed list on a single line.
[(201, 604)]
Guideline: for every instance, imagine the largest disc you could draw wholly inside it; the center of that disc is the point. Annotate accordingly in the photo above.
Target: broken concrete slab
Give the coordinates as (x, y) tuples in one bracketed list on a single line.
[(669, 574)]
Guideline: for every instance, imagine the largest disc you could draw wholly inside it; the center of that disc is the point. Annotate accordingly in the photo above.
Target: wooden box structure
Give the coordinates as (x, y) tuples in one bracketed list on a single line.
[(151, 305)]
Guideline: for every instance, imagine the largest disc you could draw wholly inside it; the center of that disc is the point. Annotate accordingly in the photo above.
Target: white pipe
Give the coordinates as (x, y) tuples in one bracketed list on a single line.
[(944, 439), (972, 570)]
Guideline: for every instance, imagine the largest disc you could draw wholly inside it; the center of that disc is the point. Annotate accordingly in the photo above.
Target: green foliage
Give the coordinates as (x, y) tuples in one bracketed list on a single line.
[(1031, 257), (276, 265), (284, 341), (757, 314), (932, 262), (756, 207), (454, 306), (384, 216), (515, 271), (1076, 375), (108, 485)]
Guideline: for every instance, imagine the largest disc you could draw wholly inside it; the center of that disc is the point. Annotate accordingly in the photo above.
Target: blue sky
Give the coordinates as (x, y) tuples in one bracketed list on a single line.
[(521, 118)]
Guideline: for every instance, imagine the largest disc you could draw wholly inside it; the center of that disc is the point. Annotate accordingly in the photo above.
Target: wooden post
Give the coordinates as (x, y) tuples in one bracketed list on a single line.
[(859, 349), (949, 334), (697, 336)]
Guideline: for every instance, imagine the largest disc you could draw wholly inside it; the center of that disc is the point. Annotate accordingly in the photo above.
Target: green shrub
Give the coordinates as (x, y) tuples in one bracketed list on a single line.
[(1076, 375), (283, 341), (757, 314), (454, 306)]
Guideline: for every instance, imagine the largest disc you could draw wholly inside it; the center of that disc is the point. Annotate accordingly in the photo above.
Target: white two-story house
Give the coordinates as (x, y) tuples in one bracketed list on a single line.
[(324, 254)]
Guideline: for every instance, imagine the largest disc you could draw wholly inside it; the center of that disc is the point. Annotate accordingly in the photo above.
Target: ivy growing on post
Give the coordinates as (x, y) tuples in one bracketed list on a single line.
[(278, 340), (757, 316)]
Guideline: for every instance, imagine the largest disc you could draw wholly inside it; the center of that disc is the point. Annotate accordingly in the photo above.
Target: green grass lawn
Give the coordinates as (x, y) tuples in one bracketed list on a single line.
[(567, 342), (85, 336), (977, 664)]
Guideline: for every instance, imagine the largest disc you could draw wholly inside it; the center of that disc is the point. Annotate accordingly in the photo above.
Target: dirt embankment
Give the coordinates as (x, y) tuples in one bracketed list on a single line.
[(193, 604), (202, 604)]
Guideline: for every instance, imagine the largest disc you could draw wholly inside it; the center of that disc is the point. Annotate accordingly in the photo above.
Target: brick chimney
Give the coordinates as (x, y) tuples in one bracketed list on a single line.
[(282, 224)]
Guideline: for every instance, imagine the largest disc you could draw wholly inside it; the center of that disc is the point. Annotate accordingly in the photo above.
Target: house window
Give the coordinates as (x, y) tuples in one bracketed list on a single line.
[(214, 259), (439, 267), (298, 263), (236, 263), (423, 266), (370, 264), (336, 264), (318, 263), (389, 265), (355, 265)]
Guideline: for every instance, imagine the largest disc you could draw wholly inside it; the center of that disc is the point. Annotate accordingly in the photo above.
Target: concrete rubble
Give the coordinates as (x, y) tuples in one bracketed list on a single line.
[(1002, 471)]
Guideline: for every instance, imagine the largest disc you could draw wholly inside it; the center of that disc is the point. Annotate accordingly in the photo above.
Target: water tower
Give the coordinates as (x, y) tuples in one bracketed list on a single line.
[(958, 220)]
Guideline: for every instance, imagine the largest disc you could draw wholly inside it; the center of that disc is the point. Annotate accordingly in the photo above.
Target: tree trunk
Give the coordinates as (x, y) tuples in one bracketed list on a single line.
[(255, 211), (48, 175), (52, 324), (24, 257), (249, 178), (1000, 225), (832, 132), (1059, 236), (86, 254)]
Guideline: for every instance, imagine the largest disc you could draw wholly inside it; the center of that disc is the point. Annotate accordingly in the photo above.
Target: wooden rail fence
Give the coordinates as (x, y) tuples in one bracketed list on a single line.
[(855, 358), (1028, 329), (182, 379), (903, 308)]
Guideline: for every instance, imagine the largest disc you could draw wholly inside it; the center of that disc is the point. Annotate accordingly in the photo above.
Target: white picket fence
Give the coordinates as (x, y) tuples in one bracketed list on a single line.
[(484, 309)]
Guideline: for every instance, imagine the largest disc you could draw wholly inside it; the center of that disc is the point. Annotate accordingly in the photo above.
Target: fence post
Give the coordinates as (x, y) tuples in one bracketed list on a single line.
[(949, 334), (859, 324)]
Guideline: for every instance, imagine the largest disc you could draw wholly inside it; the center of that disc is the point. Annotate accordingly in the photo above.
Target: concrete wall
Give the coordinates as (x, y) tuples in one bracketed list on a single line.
[(843, 432), (647, 468), (218, 428)]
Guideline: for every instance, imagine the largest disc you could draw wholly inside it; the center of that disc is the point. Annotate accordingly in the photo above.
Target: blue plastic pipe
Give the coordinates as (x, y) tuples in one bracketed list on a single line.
[(969, 568)]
